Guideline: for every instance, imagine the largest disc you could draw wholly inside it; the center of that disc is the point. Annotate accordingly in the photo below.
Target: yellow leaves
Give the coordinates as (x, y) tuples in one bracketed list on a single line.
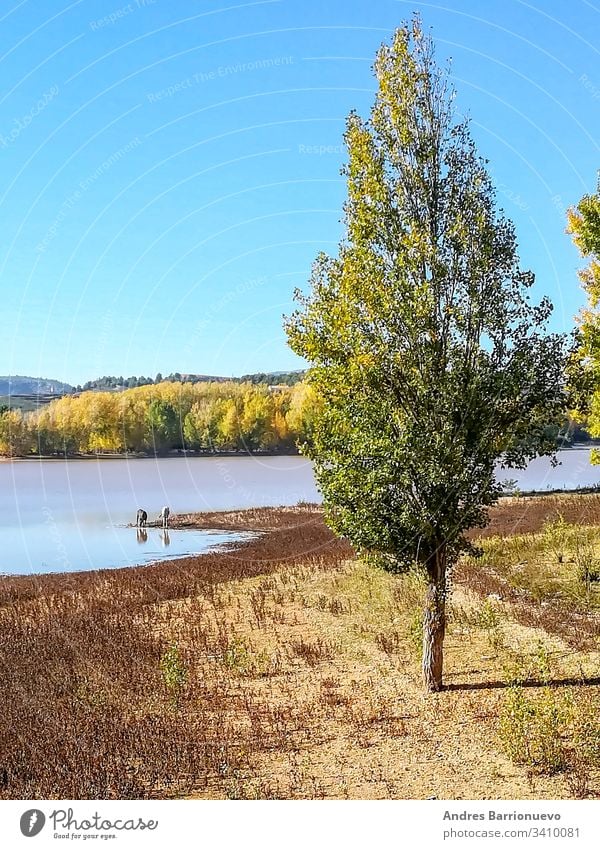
[(305, 404), (229, 427), (399, 72), (590, 277), (211, 415), (417, 241), (361, 364), (574, 225), (258, 410), (280, 426), (583, 223), (16, 438)]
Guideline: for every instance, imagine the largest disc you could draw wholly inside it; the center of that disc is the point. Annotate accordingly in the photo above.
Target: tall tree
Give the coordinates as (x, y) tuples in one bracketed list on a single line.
[(163, 426), (584, 366), (431, 361)]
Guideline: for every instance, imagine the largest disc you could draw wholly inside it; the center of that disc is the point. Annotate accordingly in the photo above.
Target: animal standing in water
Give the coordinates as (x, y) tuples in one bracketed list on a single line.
[(164, 516), (142, 518)]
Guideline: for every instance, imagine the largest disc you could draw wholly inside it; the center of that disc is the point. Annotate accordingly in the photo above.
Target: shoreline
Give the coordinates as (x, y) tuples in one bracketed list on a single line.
[(279, 534), (511, 515), (138, 455), (263, 452)]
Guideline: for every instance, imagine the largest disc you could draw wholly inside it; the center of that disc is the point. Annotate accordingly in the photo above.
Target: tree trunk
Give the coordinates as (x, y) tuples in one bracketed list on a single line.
[(434, 622)]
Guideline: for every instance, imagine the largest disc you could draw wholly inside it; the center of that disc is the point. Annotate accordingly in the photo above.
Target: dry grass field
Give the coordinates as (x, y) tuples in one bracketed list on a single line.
[(287, 668)]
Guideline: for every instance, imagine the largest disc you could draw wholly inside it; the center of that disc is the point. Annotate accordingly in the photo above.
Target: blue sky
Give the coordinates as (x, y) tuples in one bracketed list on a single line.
[(171, 169)]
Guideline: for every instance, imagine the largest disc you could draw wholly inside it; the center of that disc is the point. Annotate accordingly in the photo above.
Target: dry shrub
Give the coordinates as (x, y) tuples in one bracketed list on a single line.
[(91, 677), (312, 652), (390, 642)]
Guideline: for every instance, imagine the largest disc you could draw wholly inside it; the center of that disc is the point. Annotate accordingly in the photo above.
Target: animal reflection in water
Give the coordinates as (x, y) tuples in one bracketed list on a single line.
[(164, 536)]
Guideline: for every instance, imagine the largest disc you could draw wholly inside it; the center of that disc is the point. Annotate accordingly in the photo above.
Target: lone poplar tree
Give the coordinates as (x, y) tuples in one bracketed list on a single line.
[(430, 359)]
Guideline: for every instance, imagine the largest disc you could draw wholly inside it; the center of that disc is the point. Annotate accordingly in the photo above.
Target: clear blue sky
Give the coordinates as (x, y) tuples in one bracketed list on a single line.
[(171, 168)]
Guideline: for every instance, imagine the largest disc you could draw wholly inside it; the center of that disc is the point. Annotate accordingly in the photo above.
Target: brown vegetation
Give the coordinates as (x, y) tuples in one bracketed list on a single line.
[(527, 514), (280, 669), (86, 713)]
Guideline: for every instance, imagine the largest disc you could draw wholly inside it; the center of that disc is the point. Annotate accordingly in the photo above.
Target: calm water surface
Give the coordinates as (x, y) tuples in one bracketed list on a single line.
[(62, 516), (58, 515), (574, 471)]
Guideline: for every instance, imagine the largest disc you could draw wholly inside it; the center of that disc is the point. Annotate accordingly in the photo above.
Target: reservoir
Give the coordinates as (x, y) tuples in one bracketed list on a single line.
[(69, 515), (59, 515)]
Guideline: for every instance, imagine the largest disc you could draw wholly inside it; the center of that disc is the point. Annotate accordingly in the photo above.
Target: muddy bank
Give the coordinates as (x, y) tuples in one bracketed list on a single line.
[(527, 514), (285, 535)]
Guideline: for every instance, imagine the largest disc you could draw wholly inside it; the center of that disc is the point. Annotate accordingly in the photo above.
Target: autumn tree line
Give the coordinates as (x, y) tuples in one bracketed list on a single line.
[(159, 418)]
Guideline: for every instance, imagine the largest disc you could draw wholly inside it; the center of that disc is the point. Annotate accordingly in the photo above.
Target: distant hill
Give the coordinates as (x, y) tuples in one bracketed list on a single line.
[(20, 385), (110, 383), (275, 377), (42, 389)]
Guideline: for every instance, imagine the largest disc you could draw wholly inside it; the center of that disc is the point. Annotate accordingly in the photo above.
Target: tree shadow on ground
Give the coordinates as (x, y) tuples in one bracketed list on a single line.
[(502, 685)]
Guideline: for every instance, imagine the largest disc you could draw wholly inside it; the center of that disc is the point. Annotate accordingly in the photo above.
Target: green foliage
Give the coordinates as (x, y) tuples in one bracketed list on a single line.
[(489, 619), (586, 729), (163, 425), (557, 535), (561, 564), (202, 424), (174, 672), (550, 730), (415, 632), (278, 378), (240, 659), (584, 364), (112, 383), (429, 357), (532, 727), (587, 563)]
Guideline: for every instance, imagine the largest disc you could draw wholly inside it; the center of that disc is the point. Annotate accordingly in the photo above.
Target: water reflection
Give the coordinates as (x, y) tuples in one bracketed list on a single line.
[(74, 547), (60, 515), (55, 515), (141, 535)]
